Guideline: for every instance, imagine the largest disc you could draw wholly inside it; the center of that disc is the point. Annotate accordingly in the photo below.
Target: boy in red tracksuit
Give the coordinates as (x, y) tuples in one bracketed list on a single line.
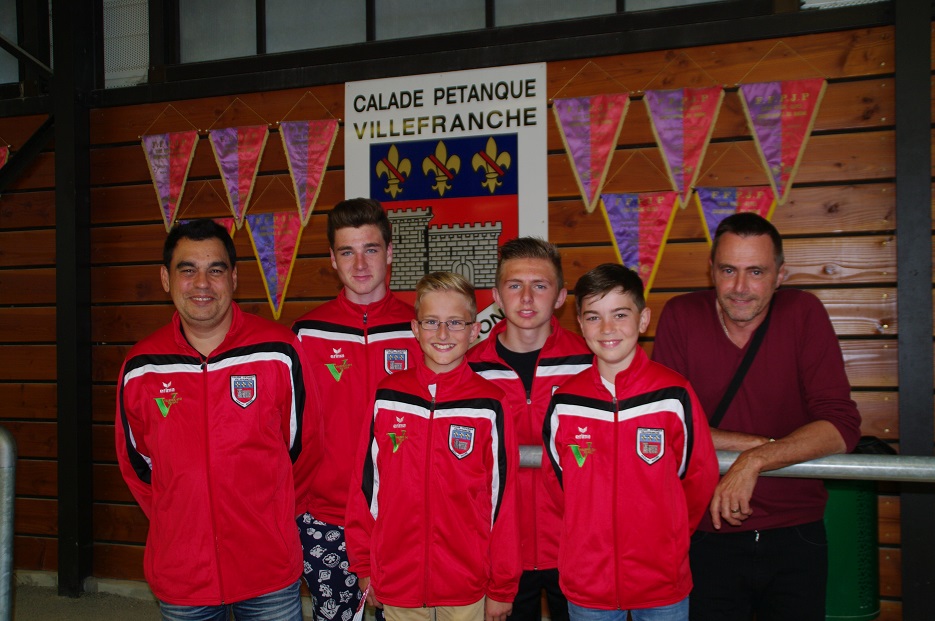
[(528, 354), (352, 342), (431, 516), (632, 450)]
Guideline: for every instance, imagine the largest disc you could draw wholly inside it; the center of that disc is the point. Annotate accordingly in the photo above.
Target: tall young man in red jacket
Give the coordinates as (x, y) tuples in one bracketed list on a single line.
[(528, 355), (432, 526), (212, 413), (352, 342), (631, 446)]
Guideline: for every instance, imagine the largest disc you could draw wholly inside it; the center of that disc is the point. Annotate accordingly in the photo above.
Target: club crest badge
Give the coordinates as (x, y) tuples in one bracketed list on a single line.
[(650, 444), (243, 389), (395, 360), (460, 440)]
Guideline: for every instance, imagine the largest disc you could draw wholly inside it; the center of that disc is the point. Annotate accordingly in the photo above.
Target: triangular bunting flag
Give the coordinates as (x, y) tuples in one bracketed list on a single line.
[(639, 225), (715, 204), (275, 238), (170, 157), (237, 151), (683, 120), (589, 127), (308, 146), (781, 116), (4, 155)]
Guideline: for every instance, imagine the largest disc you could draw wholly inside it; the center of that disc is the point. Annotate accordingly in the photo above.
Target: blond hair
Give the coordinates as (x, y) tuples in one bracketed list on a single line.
[(446, 281)]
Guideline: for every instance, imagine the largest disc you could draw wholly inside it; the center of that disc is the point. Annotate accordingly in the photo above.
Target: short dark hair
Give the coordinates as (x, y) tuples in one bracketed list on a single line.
[(749, 224), (355, 213), (531, 248), (606, 278), (437, 282), (198, 230)]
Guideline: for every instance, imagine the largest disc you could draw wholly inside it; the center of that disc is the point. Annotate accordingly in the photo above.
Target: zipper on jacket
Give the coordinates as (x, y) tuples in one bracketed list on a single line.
[(428, 515), (214, 526), (536, 481), (367, 358), (613, 504)]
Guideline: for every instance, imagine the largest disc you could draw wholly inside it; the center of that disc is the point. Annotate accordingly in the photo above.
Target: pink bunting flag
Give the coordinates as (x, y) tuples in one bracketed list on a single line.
[(170, 157), (589, 127), (715, 204), (781, 116), (237, 151), (683, 120), (639, 224), (4, 156), (275, 239), (308, 146)]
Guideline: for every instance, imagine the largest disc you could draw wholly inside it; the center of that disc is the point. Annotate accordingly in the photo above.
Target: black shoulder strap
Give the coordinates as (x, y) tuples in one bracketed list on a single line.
[(741, 371)]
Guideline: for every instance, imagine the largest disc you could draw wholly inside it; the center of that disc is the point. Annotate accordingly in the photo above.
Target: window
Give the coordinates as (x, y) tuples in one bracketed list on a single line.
[(307, 24), (210, 30), (9, 66), (402, 18), (510, 12)]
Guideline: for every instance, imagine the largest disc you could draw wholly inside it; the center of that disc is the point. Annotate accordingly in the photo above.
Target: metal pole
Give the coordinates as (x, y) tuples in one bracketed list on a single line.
[(7, 494), (918, 469)]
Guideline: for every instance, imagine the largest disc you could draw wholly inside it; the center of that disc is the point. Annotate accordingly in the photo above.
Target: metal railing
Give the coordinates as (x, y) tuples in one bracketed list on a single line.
[(7, 493), (855, 467)]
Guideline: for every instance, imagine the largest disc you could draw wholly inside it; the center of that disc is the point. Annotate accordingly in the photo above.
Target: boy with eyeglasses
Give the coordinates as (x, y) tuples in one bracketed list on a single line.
[(432, 525)]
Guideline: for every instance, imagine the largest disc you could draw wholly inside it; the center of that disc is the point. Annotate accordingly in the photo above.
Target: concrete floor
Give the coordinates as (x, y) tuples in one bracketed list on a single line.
[(36, 598), (42, 603)]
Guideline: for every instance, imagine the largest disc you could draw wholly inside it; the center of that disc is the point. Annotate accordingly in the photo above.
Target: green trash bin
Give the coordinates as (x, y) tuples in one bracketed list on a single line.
[(853, 555)]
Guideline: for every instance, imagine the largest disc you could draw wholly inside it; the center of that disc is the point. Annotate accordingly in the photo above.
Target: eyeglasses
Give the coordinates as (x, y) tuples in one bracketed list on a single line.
[(454, 325)]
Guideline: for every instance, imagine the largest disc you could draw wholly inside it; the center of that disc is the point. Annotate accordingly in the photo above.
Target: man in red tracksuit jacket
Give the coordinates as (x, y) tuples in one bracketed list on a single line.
[(529, 355), (352, 342), (630, 444), (212, 412), (432, 525)]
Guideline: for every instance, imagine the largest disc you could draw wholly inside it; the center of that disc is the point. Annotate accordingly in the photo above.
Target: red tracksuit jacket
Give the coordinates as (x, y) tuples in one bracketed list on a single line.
[(563, 355), (432, 514), (638, 469), (350, 348), (207, 447)]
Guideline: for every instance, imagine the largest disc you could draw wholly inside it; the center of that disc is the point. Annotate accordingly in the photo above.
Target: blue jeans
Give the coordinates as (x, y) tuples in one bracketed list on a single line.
[(673, 612), (282, 605)]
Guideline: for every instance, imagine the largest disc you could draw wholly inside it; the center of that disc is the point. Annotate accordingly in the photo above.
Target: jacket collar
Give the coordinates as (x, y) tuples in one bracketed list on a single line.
[(456, 377), (235, 327), (359, 310), (625, 378)]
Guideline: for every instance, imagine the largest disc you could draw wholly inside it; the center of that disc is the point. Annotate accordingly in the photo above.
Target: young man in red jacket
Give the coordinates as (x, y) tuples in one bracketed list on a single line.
[(432, 526), (212, 413), (631, 447), (352, 342), (528, 355)]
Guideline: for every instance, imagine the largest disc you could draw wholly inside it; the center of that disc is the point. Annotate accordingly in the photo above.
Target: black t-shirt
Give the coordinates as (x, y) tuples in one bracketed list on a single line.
[(524, 363)]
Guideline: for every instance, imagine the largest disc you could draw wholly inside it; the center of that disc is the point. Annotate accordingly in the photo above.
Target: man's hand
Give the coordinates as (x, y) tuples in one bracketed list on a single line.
[(364, 584), (496, 611), (731, 500)]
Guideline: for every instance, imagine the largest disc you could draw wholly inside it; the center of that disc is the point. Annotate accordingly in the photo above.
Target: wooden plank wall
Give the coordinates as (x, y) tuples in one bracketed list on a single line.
[(839, 223)]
